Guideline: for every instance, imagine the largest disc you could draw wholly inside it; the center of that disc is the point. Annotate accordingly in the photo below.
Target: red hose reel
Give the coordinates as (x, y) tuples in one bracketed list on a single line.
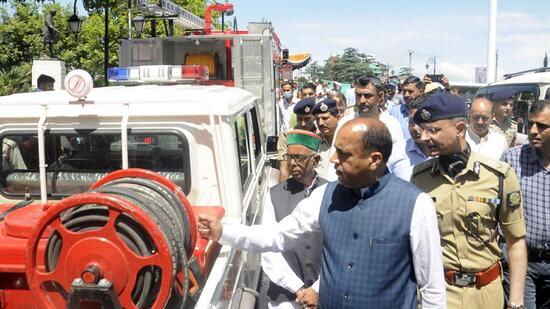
[(135, 230)]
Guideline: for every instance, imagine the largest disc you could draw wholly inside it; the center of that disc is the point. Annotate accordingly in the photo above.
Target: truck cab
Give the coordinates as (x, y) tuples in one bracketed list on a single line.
[(208, 140)]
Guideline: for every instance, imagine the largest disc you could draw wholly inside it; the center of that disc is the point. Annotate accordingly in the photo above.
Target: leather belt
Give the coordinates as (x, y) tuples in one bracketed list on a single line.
[(478, 279)]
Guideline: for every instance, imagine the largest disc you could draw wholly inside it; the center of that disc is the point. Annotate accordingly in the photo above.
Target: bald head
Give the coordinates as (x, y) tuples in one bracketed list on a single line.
[(481, 115), (481, 104), (372, 133), (363, 145)]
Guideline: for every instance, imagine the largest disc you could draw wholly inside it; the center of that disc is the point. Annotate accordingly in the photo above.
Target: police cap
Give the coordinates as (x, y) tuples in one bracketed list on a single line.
[(304, 106), (440, 106), (325, 106), (503, 95)]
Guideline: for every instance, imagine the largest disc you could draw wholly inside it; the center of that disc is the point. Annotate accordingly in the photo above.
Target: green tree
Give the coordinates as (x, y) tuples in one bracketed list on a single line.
[(346, 67), (404, 72), (20, 34), (14, 79), (21, 25), (315, 71)]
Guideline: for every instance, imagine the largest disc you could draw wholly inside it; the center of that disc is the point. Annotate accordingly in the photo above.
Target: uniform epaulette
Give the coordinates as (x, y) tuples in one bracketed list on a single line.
[(496, 165), (424, 166)]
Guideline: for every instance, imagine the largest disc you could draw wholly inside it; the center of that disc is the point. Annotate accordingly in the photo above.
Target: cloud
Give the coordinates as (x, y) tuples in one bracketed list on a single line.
[(458, 72), (519, 21), (458, 41)]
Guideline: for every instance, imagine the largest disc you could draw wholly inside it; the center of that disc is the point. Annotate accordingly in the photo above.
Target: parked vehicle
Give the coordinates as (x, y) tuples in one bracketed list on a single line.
[(100, 189), (529, 86), (203, 142)]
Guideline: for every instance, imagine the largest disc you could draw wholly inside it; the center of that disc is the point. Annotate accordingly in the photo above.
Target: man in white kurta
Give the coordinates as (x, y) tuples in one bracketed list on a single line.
[(362, 172), (478, 136)]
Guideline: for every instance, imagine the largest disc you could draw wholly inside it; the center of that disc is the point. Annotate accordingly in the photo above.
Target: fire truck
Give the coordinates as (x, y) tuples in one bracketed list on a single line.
[(251, 59), (100, 189)]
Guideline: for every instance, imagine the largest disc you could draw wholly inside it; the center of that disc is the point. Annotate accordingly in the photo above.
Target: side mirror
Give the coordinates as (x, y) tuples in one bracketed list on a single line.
[(271, 145)]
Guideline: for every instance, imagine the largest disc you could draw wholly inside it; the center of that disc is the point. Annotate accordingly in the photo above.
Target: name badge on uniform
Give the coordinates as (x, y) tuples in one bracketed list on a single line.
[(514, 199)]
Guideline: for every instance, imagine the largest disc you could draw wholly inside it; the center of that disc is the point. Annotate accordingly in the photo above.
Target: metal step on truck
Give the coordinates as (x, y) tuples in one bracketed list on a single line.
[(100, 189)]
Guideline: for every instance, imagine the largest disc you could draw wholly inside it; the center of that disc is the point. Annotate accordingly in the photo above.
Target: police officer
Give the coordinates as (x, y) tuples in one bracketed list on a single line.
[(327, 116), (304, 121), (472, 194), (503, 101)]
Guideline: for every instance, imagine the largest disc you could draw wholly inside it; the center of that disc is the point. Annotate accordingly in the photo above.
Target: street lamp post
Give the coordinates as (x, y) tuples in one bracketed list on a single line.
[(434, 59), (74, 21), (139, 23), (410, 60)]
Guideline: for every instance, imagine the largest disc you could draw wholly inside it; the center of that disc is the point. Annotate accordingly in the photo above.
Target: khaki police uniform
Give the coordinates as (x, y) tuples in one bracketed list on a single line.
[(282, 147), (11, 156), (508, 128), (465, 206)]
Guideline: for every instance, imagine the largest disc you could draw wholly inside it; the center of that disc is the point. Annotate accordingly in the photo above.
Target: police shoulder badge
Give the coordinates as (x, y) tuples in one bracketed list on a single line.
[(425, 114), (307, 109), (514, 199), (324, 107)]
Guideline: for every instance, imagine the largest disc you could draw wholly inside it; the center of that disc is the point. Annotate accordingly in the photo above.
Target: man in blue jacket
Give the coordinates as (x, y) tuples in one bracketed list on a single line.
[(378, 246)]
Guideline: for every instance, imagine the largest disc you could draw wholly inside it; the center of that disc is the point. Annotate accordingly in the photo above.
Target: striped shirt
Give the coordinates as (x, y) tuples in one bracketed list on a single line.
[(535, 189)]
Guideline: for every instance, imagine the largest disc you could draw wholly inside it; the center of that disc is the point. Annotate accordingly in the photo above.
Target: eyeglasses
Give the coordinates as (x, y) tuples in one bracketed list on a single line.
[(433, 132), (540, 126), (299, 158), (364, 95)]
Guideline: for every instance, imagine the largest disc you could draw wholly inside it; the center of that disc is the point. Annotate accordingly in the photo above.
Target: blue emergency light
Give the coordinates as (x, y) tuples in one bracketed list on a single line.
[(158, 74)]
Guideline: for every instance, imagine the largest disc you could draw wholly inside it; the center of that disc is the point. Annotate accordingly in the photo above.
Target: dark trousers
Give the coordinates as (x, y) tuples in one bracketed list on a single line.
[(537, 283)]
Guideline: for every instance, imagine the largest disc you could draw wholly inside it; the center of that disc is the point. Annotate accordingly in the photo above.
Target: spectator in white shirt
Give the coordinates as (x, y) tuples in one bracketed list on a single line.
[(489, 143), (350, 95), (369, 96), (286, 105)]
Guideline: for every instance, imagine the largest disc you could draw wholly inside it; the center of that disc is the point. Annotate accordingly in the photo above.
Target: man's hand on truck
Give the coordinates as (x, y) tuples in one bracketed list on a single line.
[(209, 227)]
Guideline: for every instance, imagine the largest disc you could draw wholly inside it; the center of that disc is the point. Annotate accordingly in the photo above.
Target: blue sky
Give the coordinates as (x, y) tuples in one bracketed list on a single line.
[(453, 31)]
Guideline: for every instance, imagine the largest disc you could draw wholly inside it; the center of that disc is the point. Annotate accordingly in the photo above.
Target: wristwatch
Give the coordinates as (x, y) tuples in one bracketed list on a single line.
[(516, 306)]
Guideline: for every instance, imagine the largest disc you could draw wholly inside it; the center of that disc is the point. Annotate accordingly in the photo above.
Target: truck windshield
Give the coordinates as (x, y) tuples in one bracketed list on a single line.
[(76, 161)]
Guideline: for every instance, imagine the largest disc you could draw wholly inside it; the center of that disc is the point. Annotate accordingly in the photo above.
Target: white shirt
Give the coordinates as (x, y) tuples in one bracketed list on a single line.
[(350, 97), (424, 241), (326, 169), (286, 109), (391, 123), (492, 145)]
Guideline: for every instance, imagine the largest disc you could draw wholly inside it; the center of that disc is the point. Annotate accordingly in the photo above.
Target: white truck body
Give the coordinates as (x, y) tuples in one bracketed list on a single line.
[(215, 130)]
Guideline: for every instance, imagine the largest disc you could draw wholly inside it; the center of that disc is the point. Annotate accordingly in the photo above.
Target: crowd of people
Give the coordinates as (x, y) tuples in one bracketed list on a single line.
[(393, 192)]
